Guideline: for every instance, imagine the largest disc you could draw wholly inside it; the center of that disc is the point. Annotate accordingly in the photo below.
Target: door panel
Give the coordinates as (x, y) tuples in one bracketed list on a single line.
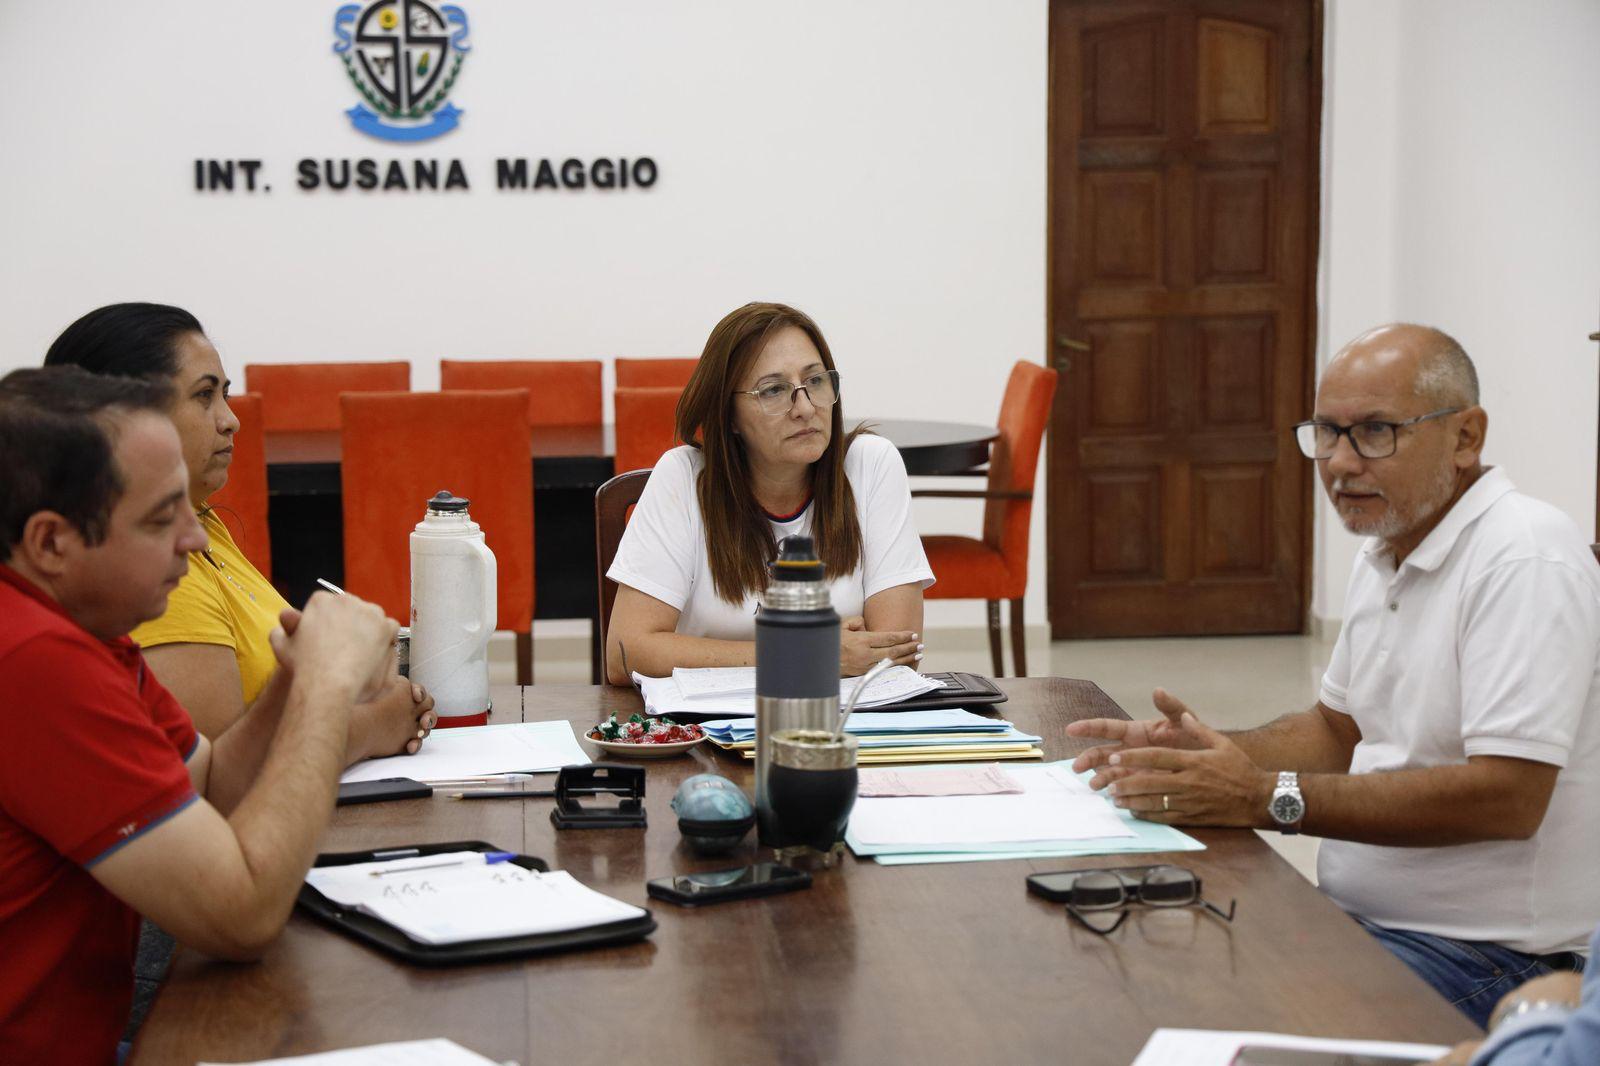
[(1183, 176)]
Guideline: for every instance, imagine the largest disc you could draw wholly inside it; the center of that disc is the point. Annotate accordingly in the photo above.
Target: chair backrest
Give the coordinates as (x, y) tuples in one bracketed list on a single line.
[(402, 447), (561, 392), (242, 502), (1014, 459), (654, 373), (647, 425), (613, 503), (306, 395)]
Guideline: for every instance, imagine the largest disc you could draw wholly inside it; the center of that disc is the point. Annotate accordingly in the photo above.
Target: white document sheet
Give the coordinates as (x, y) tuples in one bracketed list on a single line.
[(468, 751), (1208, 1047), (473, 901), (1055, 805), (731, 690), (438, 1052)]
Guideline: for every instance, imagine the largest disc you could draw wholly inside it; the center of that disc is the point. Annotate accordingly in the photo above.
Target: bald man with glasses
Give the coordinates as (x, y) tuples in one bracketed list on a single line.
[(1452, 761)]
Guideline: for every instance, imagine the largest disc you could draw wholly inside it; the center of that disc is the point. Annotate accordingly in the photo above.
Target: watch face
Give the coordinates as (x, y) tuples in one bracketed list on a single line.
[(1287, 808)]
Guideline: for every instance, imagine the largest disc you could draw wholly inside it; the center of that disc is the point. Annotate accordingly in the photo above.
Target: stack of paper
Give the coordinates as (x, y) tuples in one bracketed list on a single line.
[(437, 1052), (1056, 814), (730, 692), (473, 751), (1206, 1047), (455, 897), (948, 735)]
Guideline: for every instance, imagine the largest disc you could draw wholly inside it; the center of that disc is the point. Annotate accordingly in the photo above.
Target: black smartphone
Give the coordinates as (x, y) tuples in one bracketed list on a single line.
[(1258, 1055), (720, 886), (390, 788)]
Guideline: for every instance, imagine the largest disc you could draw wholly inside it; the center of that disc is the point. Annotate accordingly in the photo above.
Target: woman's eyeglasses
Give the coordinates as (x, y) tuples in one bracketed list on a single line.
[(778, 397), (1091, 895)]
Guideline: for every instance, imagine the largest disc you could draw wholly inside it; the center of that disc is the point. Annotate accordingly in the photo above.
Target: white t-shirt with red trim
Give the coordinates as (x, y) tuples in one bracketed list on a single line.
[(663, 551)]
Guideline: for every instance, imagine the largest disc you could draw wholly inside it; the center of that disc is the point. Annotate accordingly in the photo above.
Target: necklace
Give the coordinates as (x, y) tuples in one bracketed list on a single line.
[(222, 568)]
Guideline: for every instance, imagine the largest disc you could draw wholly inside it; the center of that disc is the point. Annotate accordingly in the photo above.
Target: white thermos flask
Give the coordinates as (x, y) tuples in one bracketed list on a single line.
[(453, 611)]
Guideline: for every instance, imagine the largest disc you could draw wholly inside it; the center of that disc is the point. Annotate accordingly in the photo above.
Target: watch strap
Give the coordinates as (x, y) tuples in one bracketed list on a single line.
[(1288, 782)]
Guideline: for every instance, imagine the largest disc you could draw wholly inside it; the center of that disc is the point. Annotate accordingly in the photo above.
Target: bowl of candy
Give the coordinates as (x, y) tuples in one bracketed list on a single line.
[(644, 738)]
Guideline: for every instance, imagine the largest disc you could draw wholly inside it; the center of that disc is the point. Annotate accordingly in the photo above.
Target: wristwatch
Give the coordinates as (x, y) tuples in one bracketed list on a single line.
[(1288, 806)]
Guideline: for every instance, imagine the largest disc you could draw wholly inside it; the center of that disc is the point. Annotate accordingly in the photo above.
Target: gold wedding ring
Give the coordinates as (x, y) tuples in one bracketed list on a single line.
[(1164, 804)]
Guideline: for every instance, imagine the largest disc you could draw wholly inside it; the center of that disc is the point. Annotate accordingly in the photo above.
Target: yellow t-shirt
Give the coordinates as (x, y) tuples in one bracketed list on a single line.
[(222, 600)]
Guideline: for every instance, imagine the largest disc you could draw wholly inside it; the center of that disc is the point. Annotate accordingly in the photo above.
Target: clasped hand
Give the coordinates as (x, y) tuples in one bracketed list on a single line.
[(861, 648), (340, 637), (1174, 769)]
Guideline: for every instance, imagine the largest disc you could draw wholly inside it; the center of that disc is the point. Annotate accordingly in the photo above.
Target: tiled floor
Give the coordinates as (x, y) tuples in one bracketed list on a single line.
[(1230, 682)]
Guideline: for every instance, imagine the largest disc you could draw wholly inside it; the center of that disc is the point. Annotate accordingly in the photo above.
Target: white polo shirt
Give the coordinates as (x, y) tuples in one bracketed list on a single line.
[(1485, 641), (663, 550)]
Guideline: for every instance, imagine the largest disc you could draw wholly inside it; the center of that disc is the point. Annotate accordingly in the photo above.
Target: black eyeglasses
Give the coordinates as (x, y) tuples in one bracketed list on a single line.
[(1098, 892), (1371, 440), (778, 397)]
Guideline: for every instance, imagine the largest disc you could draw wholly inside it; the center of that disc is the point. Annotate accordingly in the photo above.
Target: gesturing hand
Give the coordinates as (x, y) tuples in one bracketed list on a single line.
[(860, 648), (1215, 783), (1163, 732)]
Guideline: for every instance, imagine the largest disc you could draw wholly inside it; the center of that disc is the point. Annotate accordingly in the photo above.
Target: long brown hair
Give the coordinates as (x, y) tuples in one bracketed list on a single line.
[(739, 542)]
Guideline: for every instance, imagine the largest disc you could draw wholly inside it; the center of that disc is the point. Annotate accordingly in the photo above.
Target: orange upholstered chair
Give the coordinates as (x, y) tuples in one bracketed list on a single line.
[(646, 426), (654, 373), (560, 392), (306, 395), (402, 447), (995, 567), (242, 502)]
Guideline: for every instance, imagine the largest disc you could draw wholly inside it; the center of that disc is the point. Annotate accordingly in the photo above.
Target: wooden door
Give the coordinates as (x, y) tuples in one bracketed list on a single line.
[(1183, 210)]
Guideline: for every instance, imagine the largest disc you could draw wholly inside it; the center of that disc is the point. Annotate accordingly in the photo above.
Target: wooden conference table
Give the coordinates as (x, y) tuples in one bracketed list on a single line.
[(937, 963), (569, 463)]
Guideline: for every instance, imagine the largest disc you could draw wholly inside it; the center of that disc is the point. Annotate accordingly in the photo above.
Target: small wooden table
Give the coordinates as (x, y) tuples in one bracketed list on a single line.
[(874, 964)]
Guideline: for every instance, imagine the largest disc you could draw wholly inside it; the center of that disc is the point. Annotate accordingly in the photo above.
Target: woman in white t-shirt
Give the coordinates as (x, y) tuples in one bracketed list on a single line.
[(768, 458)]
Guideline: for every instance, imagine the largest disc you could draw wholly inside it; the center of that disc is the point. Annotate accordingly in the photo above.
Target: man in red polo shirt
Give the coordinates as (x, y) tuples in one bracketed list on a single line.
[(106, 790)]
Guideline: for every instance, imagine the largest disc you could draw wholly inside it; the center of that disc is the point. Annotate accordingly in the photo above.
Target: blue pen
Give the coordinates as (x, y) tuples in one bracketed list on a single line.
[(489, 859)]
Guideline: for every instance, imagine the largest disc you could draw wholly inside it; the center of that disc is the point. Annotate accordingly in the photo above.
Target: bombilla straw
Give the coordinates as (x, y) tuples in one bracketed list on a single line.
[(866, 679)]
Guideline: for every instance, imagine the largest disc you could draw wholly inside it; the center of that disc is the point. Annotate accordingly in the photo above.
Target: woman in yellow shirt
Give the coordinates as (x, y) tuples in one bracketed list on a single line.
[(211, 648)]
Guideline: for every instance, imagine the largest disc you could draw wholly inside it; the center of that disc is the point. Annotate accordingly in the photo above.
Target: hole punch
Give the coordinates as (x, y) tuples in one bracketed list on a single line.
[(574, 783)]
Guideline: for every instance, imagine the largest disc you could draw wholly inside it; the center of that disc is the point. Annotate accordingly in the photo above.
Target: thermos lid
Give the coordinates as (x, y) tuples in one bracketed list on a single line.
[(797, 561), (444, 503)]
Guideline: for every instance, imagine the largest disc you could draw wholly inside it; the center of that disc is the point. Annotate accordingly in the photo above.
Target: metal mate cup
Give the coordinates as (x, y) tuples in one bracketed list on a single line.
[(811, 790)]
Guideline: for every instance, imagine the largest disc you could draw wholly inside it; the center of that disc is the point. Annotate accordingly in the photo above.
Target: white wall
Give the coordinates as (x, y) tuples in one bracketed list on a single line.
[(1462, 189), (880, 165)]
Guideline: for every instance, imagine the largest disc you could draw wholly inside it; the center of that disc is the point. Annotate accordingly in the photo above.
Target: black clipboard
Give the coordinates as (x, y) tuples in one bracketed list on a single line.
[(961, 689), (391, 941)]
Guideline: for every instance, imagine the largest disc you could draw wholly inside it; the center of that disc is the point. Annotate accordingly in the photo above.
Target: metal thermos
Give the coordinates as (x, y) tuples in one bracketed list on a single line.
[(797, 661)]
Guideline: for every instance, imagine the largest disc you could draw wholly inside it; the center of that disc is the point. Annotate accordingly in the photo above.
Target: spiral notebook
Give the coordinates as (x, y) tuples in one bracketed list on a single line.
[(439, 904)]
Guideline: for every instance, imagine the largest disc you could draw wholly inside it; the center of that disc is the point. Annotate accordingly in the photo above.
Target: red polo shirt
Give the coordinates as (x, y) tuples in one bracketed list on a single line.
[(92, 752)]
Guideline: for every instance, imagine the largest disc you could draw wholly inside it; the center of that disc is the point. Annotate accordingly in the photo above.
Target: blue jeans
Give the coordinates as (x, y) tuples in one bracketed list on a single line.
[(1471, 974)]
